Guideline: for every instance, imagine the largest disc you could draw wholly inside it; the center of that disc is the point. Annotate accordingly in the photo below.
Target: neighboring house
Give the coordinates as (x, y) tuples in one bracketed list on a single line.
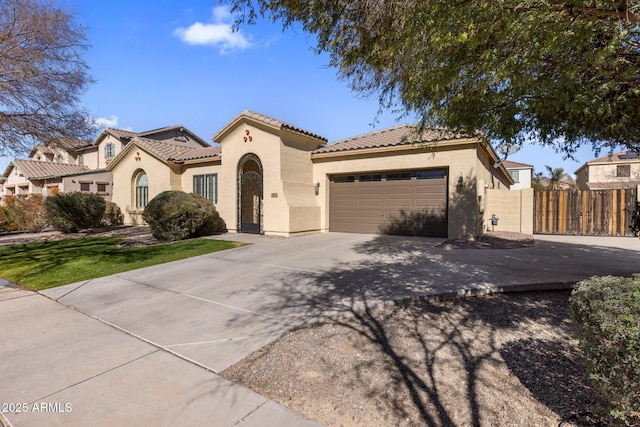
[(61, 150), (613, 171), (270, 177), (24, 177), (67, 165), (520, 173)]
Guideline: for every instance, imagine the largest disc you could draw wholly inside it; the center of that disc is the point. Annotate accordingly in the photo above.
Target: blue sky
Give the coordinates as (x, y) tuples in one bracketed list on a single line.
[(167, 62)]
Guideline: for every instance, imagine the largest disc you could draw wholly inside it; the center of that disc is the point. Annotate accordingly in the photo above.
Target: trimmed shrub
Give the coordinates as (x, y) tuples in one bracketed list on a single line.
[(71, 212), (112, 215), (176, 215), (24, 213), (607, 313)]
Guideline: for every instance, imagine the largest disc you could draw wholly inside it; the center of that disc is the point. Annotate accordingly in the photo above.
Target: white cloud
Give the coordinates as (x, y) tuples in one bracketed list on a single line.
[(103, 122), (218, 33)]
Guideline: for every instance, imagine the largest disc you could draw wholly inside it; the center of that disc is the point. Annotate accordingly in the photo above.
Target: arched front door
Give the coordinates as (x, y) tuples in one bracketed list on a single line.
[(250, 194)]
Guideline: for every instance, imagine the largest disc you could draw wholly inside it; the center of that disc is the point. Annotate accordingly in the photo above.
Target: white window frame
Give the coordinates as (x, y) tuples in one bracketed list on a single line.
[(206, 185), (109, 151), (141, 191)]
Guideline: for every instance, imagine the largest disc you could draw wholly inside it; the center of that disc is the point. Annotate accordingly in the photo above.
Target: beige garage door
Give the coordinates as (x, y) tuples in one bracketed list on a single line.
[(407, 202)]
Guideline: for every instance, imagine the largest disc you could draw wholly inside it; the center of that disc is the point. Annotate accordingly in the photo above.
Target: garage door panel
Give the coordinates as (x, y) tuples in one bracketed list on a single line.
[(399, 203), (369, 215), (430, 189), (345, 203), (405, 190), (370, 191), (427, 203), (402, 206), (350, 215), (416, 223), (370, 203)]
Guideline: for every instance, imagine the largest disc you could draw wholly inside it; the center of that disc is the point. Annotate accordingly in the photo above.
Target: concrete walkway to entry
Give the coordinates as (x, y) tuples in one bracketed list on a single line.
[(144, 347)]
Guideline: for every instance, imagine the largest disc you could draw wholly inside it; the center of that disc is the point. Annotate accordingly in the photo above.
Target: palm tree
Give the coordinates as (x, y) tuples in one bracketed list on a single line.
[(558, 176), (555, 176)]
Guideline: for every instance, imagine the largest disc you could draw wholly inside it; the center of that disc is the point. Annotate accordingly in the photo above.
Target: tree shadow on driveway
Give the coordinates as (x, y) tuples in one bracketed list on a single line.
[(380, 297)]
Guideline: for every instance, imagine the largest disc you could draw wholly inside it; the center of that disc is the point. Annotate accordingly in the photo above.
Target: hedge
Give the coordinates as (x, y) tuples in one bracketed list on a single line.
[(23, 213), (607, 313), (176, 215), (71, 212)]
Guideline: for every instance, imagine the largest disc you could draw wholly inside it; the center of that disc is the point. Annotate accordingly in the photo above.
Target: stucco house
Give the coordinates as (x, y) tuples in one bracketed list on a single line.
[(67, 165), (268, 176), (613, 171), (24, 177), (521, 174)]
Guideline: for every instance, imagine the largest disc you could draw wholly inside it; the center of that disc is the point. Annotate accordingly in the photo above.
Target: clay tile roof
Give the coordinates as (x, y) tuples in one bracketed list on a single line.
[(37, 169), (181, 128), (394, 136), (42, 148), (200, 153), (120, 133), (515, 165), (167, 151), (280, 124), (619, 157), (271, 122), (71, 144)]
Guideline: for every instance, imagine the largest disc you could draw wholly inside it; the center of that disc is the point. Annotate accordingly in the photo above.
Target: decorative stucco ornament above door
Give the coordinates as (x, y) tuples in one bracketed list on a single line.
[(248, 136)]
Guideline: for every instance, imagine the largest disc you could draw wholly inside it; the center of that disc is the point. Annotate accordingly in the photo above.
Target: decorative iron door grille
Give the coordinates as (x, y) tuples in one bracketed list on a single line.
[(250, 202)]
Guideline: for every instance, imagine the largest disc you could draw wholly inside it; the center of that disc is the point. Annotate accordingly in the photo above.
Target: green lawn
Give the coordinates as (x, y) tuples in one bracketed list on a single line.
[(46, 265)]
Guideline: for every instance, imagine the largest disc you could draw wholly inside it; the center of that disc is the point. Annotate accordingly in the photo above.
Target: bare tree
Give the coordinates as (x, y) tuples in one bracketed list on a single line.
[(42, 75)]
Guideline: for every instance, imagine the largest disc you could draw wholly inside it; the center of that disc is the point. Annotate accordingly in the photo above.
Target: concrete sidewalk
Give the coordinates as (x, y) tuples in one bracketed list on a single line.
[(144, 347), (61, 367)]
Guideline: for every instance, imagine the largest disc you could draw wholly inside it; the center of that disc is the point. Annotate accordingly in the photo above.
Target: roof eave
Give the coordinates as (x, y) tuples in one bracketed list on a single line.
[(417, 146), (200, 160)]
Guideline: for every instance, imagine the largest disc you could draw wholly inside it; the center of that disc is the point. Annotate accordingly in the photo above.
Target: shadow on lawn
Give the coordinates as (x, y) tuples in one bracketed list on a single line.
[(407, 269), (30, 262)]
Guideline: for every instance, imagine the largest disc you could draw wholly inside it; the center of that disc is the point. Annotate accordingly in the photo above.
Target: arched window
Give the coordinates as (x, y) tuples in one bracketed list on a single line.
[(142, 190)]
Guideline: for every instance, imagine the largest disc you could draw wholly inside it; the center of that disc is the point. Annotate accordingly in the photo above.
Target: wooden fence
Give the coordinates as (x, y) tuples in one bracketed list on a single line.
[(584, 212)]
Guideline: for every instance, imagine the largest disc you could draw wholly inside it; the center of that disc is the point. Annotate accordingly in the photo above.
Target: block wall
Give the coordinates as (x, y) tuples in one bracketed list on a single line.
[(513, 208)]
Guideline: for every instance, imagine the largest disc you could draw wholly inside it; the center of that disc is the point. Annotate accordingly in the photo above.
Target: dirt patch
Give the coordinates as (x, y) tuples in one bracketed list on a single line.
[(492, 240), (493, 361)]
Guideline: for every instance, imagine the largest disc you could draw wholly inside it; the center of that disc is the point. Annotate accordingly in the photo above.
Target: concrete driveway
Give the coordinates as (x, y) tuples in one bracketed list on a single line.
[(144, 347)]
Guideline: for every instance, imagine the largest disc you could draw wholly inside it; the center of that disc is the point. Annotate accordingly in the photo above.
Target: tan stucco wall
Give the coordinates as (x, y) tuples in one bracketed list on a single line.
[(582, 177), (200, 169), (109, 139), (90, 158), (289, 204), (514, 210), (606, 173), (72, 183), (463, 208), (124, 174), (14, 181)]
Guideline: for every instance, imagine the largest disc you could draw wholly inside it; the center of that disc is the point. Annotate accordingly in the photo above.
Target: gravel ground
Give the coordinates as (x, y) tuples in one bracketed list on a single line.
[(501, 360)]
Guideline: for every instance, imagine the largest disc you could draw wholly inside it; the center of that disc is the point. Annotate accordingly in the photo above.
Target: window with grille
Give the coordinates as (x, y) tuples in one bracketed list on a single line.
[(623, 171), (142, 190), (109, 151), (207, 186)]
